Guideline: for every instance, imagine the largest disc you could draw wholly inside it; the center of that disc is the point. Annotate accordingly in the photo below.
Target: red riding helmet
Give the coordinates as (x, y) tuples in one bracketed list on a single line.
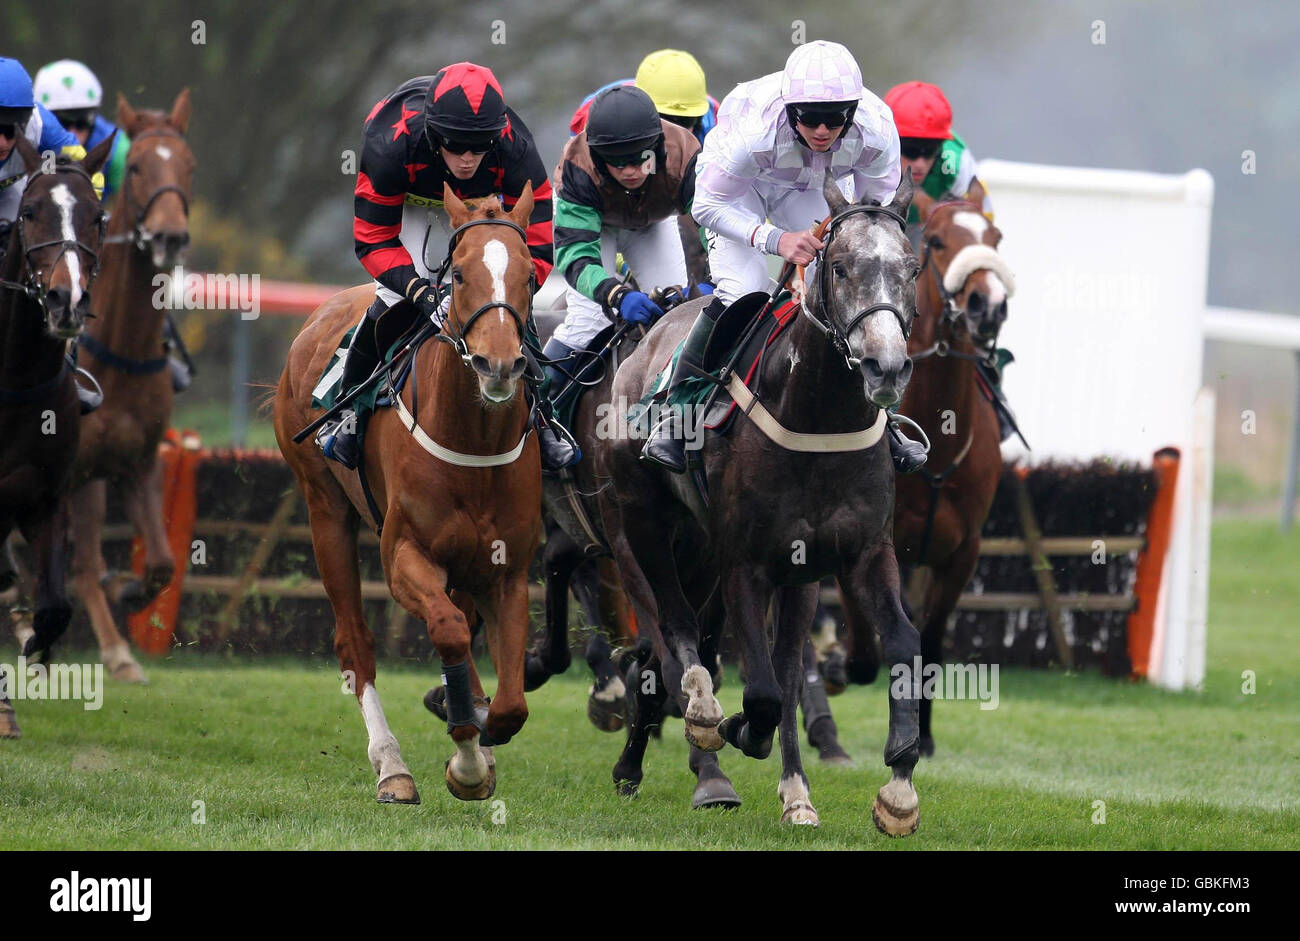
[(920, 110)]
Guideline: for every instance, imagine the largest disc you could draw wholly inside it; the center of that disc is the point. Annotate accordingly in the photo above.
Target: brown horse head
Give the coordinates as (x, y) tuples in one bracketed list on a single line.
[(58, 235), (491, 271), (159, 178), (960, 245)]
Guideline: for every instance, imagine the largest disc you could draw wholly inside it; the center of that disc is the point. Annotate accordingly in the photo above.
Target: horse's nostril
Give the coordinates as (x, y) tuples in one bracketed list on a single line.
[(517, 370), (977, 303), (872, 368), (481, 365), (905, 373)]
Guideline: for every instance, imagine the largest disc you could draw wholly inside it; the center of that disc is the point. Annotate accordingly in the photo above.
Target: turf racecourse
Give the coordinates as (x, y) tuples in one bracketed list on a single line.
[(276, 753)]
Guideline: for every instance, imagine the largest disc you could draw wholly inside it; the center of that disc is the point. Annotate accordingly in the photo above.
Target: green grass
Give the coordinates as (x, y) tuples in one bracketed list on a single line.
[(277, 753), (211, 419)]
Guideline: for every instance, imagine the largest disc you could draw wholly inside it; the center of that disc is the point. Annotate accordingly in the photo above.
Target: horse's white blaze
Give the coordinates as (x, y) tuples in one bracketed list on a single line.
[(162, 150), (66, 202), (496, 257), (973, 222), (383, 752)]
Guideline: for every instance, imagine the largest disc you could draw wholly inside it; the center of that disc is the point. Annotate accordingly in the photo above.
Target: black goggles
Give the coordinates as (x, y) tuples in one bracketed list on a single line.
[(815, 117), (9, 130), (459, 147), (618, 161), (919, 148), (76, 120)]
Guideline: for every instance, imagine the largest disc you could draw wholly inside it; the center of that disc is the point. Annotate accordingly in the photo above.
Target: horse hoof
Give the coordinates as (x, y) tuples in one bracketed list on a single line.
[(714, 792), (398, 789), (535, 672), (435, 700), (704, 737), (131, 595), (121, 665), (627, 788), (896, 810), (801, 814), (834, 673), (837, 758), (478, 792), (926, 746), (605, 706), (9, 722)]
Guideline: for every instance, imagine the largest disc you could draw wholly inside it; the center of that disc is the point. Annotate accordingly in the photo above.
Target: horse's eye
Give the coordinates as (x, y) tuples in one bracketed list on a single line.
[(915, 272), (936, 243), (457, 276), (837, 269), (29, 214), (133, 168)]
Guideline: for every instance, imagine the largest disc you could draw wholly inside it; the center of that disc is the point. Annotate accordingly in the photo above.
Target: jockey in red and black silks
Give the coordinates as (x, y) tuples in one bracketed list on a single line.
[(454, 128)]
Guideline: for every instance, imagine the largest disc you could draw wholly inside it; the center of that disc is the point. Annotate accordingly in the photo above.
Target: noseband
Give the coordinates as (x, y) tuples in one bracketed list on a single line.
[(31, 283), (455, 334), (822, 319), (139, 236), (952, 316)]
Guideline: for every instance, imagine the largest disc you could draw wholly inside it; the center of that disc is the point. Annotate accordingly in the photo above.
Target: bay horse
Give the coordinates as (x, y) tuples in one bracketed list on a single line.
[(45, 283), (123, 349), (779, 517), (456, 476), (961, 304)]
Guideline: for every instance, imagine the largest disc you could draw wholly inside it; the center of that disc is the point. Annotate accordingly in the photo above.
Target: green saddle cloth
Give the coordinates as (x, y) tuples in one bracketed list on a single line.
[(327, 390)]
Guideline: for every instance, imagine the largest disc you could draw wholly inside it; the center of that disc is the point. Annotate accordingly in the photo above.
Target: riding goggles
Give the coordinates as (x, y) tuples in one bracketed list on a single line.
[(919, 148), (459, 147), (81, 120), (9, 130), (618, 161), (815, 117)]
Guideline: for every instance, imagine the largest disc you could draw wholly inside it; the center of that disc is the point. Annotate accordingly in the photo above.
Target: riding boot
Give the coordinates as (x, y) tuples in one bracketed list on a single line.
[(909, 456), (558, 447), (338, 439), (560, 359), (178, 366), (666, 445)]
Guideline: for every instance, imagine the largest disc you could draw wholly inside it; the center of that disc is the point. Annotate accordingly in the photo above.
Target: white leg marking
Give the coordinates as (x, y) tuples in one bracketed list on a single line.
[(702, 707), (469, 765), (383, 751), (66, 202), (796, 805)]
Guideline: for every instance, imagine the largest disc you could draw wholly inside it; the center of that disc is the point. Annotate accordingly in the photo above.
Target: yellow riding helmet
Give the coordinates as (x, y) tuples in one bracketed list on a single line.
[(675, 81)]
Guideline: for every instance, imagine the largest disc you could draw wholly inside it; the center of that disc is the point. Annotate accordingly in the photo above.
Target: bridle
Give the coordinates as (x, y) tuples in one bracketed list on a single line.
[(822, 319), (455, 333), (138, 236), (31, 284), (952, 316)]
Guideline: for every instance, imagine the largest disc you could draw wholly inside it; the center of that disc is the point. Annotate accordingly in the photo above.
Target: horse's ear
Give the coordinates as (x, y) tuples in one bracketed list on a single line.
[(457, 211), (523, 210), (902, 200), (834, 198), (180, 116), (126, 116), (31, 157), (98, 156)]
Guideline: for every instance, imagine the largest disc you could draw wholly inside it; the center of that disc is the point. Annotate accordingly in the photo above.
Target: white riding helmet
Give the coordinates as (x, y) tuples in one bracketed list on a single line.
[(820, 71), (67, 85)]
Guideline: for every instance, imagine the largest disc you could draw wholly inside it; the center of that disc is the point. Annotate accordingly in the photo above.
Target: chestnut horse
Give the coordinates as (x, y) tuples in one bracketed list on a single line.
[(961, 303), (123, 349), (44, 299), (463, 525)]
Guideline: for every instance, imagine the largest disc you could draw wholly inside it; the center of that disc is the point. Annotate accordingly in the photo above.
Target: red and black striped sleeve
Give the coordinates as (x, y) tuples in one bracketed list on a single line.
[(378, 200), (521, 163)]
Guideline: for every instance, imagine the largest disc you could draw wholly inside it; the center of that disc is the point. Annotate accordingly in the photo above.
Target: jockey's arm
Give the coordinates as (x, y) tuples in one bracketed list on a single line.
[(727, 172), (377, 215), (578, 223)]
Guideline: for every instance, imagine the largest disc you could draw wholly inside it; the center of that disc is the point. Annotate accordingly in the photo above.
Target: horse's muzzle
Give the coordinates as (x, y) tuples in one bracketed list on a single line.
[(63, 320), (885, 382), (169, 248), (497, 377)]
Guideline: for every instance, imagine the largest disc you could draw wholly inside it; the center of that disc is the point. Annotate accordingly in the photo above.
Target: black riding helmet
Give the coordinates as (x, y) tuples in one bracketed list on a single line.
[(465, 104), (623, 121)]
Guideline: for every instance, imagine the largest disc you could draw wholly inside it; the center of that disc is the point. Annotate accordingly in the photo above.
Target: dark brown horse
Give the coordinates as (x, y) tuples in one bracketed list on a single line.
[(45, 281), (457, 477), (123, 349), (801, 489), (961, 303)]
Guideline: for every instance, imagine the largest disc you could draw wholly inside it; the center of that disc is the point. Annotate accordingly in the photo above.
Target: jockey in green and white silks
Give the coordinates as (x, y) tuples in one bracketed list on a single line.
[(759, 192), (620, 187), (943, 167)]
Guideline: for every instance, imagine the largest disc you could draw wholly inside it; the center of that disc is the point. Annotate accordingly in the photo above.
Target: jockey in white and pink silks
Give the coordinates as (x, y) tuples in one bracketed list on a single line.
[(758, 190)]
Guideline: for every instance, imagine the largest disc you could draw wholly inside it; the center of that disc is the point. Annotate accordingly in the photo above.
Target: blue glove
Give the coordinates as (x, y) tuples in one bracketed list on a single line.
[(704, 287), (636, 307)]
